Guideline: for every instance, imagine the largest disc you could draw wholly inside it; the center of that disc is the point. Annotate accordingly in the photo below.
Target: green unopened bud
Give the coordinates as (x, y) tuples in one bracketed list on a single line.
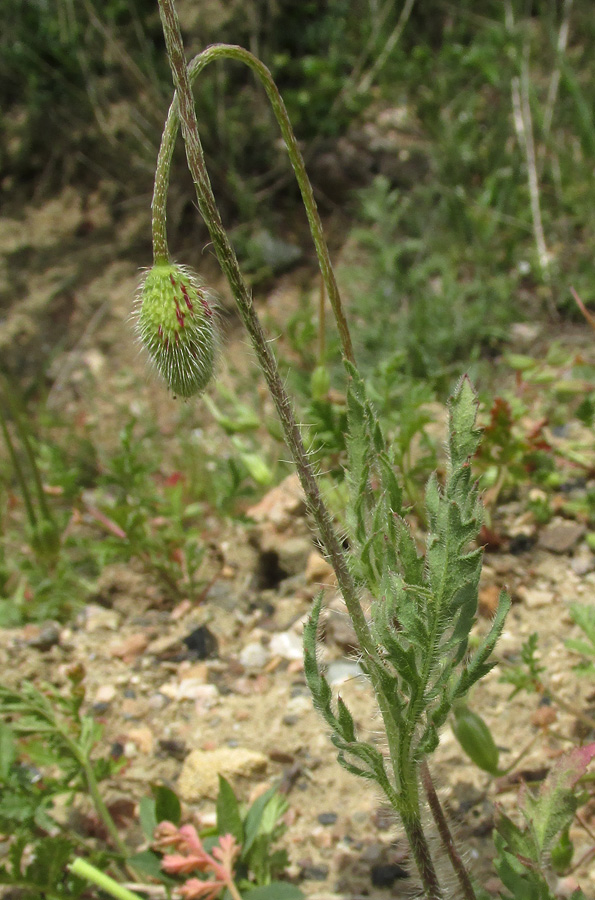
[(178, 327), (475, 738)]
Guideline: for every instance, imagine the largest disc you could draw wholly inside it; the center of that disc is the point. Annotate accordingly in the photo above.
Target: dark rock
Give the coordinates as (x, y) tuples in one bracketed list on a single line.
[(279, 756), (314, 873), (522, 543), (384, 875), (327, 818), (269, 573), (47, 638), (290, 720), (98, 709), (202, 643), (174, 748)]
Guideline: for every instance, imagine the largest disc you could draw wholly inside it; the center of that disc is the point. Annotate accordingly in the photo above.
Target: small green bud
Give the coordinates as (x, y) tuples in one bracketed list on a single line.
[(178, 327), (320, 383), (475, 738)]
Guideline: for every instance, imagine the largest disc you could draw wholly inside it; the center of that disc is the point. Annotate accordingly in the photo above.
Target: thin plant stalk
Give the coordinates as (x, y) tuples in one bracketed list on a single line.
[(160, 250), (356, 83), (523, 123), (554, 85), (393, 39), (84, 869), (20, 475), (524, 129), (321, 325), (406, 798), (445, 833)]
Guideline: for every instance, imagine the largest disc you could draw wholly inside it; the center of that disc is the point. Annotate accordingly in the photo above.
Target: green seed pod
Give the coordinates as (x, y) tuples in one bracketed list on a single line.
[(475, 738), (178, 327)]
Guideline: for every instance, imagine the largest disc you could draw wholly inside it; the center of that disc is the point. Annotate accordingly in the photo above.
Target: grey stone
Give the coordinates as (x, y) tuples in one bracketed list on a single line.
[(561, 535)]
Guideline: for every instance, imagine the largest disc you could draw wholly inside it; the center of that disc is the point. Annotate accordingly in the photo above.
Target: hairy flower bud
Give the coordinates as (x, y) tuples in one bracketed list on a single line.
[(178, 327)]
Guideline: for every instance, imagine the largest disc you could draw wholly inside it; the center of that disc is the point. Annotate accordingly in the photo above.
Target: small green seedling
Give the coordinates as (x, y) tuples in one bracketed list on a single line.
[(48, 750)]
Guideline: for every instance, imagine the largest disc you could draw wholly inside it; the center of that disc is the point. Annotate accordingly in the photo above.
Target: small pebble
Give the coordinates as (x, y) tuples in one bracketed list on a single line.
[(158, 701), (535, 598), (583, 563), (314, 873), (173, 747), (286, 644), (202, 643), (48, 637), (105, 693), (97, 617), (561, 535), (327, 818), (254, 656)]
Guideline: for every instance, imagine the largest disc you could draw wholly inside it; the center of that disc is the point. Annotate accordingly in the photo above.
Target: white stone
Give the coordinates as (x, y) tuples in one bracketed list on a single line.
[(254, 656), (286, 644)]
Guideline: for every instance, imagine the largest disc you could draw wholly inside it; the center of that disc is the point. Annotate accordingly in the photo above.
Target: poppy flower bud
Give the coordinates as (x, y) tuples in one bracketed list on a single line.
[(178, 327)]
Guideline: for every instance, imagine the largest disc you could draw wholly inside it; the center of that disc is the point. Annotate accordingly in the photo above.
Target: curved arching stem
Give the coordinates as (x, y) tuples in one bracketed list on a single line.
[(230, 266), (160, 250)]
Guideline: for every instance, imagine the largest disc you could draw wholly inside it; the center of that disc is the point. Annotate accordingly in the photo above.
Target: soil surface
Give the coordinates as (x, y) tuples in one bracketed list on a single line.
[(215, 683)]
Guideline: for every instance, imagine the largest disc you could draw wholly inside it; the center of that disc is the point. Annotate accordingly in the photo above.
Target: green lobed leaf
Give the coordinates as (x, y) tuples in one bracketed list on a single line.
[(478, 666), (463, 436)]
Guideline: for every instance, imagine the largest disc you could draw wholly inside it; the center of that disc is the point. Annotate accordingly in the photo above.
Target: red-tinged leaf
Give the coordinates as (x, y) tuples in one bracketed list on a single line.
[(173, 479), (554, 807)]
